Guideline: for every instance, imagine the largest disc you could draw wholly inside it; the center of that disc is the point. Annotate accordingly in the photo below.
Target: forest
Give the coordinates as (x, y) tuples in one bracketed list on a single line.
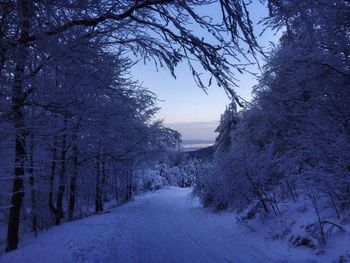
[(79, 135), (291, 142)]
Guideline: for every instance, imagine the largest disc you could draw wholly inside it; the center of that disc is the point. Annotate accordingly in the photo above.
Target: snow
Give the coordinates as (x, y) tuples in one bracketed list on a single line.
[(164, 226)]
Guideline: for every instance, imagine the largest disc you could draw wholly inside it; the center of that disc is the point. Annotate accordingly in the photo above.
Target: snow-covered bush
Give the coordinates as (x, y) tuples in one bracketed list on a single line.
[(148, 180), (156, 176), (183, 175)]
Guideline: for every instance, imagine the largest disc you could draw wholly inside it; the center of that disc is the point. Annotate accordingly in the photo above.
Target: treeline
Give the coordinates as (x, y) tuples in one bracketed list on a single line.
[(292, 142)]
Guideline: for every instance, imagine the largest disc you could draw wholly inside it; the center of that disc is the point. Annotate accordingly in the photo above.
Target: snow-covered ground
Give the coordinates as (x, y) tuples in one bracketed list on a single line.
[(163, 226)]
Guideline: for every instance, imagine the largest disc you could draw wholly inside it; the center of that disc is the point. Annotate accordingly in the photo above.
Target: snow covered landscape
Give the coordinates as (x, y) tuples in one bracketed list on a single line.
[(165, 226), (175, 131)]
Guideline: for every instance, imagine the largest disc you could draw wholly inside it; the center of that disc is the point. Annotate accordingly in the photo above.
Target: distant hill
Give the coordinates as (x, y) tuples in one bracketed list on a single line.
[(196, 141), (193, 145), (203, 153)]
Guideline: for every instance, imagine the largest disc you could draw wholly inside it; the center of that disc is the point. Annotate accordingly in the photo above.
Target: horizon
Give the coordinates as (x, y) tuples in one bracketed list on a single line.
[(190, 131)]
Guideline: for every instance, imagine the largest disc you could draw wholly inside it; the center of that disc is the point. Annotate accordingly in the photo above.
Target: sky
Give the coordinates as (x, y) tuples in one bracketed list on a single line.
[(187, 108)]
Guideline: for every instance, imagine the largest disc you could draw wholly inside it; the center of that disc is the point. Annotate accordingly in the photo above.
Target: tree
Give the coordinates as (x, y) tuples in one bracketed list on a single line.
[(228, 121), (292, 141)]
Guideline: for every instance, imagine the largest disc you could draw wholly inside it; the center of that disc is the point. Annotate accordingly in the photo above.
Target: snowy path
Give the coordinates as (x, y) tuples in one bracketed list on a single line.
[(165, 226)]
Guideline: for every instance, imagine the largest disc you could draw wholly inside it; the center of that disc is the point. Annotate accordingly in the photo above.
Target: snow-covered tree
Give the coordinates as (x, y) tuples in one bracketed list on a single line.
[(292, 141), (228, 121)]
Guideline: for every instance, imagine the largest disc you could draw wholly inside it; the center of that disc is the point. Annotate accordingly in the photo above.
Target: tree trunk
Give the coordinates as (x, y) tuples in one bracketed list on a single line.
[(98, 195), (32, 186), (19, 124), (17, 193), (73, 180), (52, 177), (129, 189), (61, 178), (103, 180)]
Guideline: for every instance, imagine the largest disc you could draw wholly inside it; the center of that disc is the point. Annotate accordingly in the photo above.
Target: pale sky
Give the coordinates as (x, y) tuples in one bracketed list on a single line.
[(186, 107)]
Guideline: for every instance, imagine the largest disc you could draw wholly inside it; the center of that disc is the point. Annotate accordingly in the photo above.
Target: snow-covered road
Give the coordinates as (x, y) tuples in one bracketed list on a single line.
[(164, 226)]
